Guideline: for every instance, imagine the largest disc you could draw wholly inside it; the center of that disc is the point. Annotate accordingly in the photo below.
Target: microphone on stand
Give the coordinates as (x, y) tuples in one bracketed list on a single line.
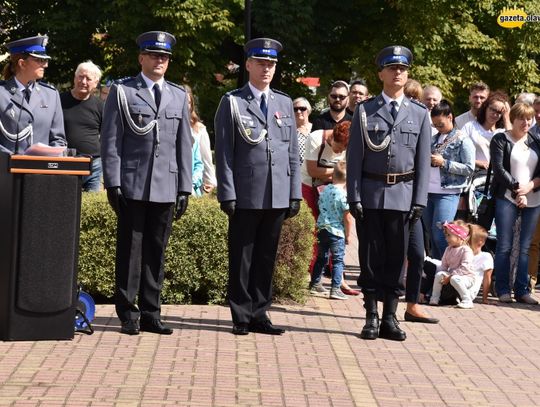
[(26, 90)]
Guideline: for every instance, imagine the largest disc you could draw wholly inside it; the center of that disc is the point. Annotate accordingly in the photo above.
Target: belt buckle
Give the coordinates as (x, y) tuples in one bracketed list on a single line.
[(391, 179)]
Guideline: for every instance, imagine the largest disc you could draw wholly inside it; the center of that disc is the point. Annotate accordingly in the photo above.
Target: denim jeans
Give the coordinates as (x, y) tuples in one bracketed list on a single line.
[(440, 208), (92, 182), (506, 214), (336, 245)]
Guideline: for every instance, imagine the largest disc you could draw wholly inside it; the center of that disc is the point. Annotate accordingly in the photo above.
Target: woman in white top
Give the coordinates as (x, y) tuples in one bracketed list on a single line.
[(199, 135), (493, 117), (516, 178), (302, 110)]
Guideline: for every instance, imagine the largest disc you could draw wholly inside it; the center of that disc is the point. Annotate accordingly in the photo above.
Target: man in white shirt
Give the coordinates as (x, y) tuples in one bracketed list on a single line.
[(479, 92)]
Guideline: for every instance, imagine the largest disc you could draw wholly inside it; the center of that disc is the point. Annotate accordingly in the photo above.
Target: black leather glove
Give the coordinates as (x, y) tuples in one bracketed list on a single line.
[(414, 214), (115, 198), (294, 208), (181, 205), (356, 210), (228, 207)]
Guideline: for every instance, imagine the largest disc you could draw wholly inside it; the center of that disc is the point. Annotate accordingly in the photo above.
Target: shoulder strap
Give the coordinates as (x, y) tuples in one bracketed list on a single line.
[(325, 135), (488, 179)]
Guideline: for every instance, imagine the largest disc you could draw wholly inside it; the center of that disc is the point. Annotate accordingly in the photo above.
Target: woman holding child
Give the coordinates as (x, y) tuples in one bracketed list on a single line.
[(516, 171)]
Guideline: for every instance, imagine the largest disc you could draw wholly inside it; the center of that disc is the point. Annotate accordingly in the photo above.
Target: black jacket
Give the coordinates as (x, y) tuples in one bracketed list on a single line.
[(500, 150)]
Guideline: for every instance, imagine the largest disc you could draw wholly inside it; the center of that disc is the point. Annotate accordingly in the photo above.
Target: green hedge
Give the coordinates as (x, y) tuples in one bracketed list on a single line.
[(196, 258)]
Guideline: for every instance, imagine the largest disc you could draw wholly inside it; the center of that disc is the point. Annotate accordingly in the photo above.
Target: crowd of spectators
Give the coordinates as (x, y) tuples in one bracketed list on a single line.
[(492, 134)]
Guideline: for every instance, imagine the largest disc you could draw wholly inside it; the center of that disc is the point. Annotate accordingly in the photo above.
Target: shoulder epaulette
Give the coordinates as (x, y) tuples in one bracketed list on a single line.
[(367, 100), (176, 85), (123, 80), (416, 102), (46, 85), (233, 92), (280, 92)]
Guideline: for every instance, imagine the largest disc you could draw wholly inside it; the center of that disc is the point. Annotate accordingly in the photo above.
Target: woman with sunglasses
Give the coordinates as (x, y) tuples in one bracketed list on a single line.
[(515, 158), (493, 117), (302, 110), (452, 165), (30, 110)]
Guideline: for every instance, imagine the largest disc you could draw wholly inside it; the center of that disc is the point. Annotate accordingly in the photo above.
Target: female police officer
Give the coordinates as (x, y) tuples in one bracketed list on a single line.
[(30, 111)]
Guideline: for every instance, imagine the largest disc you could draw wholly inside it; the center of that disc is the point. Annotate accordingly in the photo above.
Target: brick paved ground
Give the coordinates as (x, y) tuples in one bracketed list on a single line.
[(481, 357)]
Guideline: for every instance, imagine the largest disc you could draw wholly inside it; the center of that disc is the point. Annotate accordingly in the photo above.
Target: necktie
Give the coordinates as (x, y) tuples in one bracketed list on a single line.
[(157, 95), (264, 107), (26, 94), (393, 111)]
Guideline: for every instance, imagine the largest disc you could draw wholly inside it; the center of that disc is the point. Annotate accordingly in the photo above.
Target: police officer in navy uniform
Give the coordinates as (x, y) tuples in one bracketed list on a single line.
[(388, 162), (146, 155), (258, 177), (30, 110)]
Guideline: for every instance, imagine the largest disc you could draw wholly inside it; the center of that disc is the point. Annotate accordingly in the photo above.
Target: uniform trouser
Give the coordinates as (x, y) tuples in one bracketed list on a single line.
[(143, 232), (253, 241), (383, 237)]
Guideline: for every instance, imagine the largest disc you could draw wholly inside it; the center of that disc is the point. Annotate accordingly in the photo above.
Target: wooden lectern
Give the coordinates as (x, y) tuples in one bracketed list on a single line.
[(40, 206)]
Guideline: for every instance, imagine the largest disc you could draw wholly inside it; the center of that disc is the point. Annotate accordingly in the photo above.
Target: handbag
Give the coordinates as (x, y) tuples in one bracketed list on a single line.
[(486, 208)]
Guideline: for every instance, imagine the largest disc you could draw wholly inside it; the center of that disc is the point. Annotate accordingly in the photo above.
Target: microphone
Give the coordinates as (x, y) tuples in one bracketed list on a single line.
[(26, 90)]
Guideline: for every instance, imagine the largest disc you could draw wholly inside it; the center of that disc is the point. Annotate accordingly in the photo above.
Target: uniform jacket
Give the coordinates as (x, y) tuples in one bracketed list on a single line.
[(409, 149), (44, 112), (129, 159), (262, 176)]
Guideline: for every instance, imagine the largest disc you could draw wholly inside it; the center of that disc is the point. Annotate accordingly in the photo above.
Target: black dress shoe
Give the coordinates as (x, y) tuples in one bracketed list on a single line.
[(155, 326), (130, 327), (265, 327), (240, 329), (390, 329), (424, 320)]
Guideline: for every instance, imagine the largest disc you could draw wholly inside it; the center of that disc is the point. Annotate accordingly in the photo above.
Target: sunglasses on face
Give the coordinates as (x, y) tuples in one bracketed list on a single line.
[(300, 108), (338, 97)]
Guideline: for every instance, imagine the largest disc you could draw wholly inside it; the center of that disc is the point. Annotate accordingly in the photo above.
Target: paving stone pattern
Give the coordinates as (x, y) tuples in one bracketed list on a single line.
[(481, 357)]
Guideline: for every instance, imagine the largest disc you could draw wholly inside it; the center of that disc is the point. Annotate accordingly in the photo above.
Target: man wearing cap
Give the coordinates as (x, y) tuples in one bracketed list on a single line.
[(31, 110), (258, 184), (387, 178), (146, 156)]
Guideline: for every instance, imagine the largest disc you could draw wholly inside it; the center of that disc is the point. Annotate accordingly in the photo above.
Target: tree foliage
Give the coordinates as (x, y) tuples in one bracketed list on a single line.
[(454, 43)]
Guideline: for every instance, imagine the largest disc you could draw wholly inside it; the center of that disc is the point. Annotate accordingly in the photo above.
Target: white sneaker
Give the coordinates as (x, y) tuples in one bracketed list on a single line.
[(434, 301), (318, 290), (337, 294), (467, 304)]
